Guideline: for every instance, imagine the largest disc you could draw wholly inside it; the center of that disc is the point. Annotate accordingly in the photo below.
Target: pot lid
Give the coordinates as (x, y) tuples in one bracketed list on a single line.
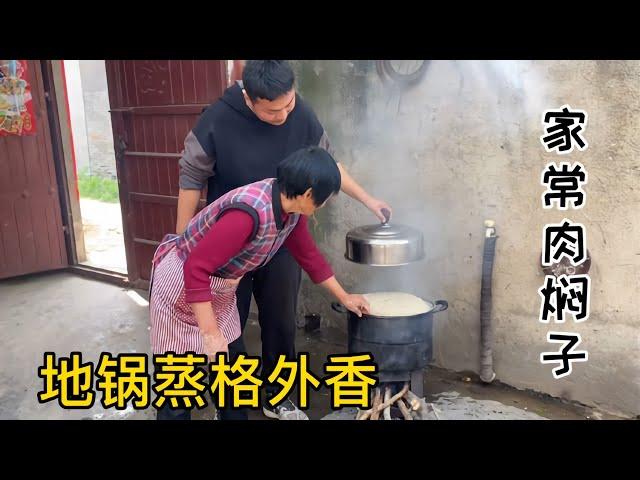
[(383, 233)]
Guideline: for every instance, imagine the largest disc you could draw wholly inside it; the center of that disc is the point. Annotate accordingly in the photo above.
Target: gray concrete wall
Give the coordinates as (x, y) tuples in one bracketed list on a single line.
[(75, 100), (98, 119), (463, 146), (90, 119)]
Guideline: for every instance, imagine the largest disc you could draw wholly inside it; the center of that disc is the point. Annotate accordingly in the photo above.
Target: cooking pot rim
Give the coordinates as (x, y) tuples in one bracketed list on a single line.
[(395, 317), (435, 307)]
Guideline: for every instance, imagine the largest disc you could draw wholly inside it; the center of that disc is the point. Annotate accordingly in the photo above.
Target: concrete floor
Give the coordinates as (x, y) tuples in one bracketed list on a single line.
[(62, 312), (103, 238)]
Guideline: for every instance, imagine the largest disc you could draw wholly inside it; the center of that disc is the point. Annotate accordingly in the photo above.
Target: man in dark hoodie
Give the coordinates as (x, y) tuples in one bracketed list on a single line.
[(238, 140)]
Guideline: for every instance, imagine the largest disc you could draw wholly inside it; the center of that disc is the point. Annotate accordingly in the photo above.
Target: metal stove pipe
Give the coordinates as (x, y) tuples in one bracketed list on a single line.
[(487, 374)]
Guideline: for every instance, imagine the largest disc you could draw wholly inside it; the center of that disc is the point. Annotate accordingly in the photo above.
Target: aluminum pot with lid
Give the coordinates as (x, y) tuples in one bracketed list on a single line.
[(384, 244)]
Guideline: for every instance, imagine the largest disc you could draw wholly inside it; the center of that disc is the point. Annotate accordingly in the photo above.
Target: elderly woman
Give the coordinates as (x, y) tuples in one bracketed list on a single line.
[(194, 276)]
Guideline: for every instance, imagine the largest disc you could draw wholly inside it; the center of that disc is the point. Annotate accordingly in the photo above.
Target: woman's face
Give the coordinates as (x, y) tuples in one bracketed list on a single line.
[(307, 205)]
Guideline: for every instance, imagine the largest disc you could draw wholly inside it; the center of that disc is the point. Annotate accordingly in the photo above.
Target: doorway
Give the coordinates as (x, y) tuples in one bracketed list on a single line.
[(101, 244)]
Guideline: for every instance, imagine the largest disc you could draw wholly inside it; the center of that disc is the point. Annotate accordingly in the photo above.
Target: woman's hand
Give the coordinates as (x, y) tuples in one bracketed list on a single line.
[(358, 304), (214, 343), (233, 282), (212, 339)]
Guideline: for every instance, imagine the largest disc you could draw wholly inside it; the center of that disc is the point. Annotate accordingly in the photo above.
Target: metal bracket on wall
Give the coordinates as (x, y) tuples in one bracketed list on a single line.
[(121, 148), (402, 74), (564, 267)]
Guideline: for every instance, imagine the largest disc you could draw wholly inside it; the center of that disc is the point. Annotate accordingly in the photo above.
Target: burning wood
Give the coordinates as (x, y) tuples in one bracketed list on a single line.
[(394, 407)]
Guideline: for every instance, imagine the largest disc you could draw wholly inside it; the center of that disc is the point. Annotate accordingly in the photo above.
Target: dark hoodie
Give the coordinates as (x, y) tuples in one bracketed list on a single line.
[(243, 148)]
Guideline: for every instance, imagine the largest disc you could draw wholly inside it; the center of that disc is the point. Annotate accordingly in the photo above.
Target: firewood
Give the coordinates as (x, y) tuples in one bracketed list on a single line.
[(433, 409), (379, 408), (387, 410), (361, 413), (403, 408), (414, 400), (375, 412)]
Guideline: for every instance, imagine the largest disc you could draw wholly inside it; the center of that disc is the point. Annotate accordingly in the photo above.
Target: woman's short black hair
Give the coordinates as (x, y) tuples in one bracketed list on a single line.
[(309, 167), (267, 79)]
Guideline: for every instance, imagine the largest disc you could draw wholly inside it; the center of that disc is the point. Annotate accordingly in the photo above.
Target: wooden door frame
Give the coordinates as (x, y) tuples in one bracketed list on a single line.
[(63, 159), (61, 138)]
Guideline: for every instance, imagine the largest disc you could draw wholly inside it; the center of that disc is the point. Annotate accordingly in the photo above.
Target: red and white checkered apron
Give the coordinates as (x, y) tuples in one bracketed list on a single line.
[(173, 325)]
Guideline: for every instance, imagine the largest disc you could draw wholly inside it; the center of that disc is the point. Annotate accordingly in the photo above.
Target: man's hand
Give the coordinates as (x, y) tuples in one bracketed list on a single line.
[(376, 206), (187, 205), (351, 188)]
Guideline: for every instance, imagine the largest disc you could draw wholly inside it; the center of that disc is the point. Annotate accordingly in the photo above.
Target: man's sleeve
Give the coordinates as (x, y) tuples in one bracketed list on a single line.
[(198, 158), (326, 144), (318, 135)]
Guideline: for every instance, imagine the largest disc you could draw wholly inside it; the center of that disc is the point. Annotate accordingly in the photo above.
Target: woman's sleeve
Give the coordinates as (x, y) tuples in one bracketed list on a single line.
[(305, 251)]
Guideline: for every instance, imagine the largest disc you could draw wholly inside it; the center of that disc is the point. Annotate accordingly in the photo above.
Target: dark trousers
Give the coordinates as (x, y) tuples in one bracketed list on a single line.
[(275, 288), (167, 413)]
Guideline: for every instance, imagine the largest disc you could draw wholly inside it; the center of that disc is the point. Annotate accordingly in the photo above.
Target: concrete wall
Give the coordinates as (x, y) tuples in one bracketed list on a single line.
[(76, 110), (100, 135), (90, 119), (463, 146)]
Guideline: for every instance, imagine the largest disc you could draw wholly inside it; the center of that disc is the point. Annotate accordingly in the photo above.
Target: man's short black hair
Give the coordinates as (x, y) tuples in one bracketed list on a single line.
[(267, 79), (309, 167)]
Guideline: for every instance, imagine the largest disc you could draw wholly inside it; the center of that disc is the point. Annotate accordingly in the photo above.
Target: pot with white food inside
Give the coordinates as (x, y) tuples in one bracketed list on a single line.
[(397, 331)]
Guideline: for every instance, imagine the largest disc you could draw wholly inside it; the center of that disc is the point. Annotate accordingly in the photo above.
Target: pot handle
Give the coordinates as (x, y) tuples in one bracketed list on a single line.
[(441, 305), (339, 307), (387, 215)]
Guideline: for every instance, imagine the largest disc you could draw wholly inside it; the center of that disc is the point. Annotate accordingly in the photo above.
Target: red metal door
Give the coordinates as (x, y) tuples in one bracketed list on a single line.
[(31, 230), (154, 104)]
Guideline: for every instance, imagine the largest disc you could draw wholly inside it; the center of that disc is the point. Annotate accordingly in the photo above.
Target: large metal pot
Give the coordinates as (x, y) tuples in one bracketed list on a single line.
[(398, 344), (384, 244)]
